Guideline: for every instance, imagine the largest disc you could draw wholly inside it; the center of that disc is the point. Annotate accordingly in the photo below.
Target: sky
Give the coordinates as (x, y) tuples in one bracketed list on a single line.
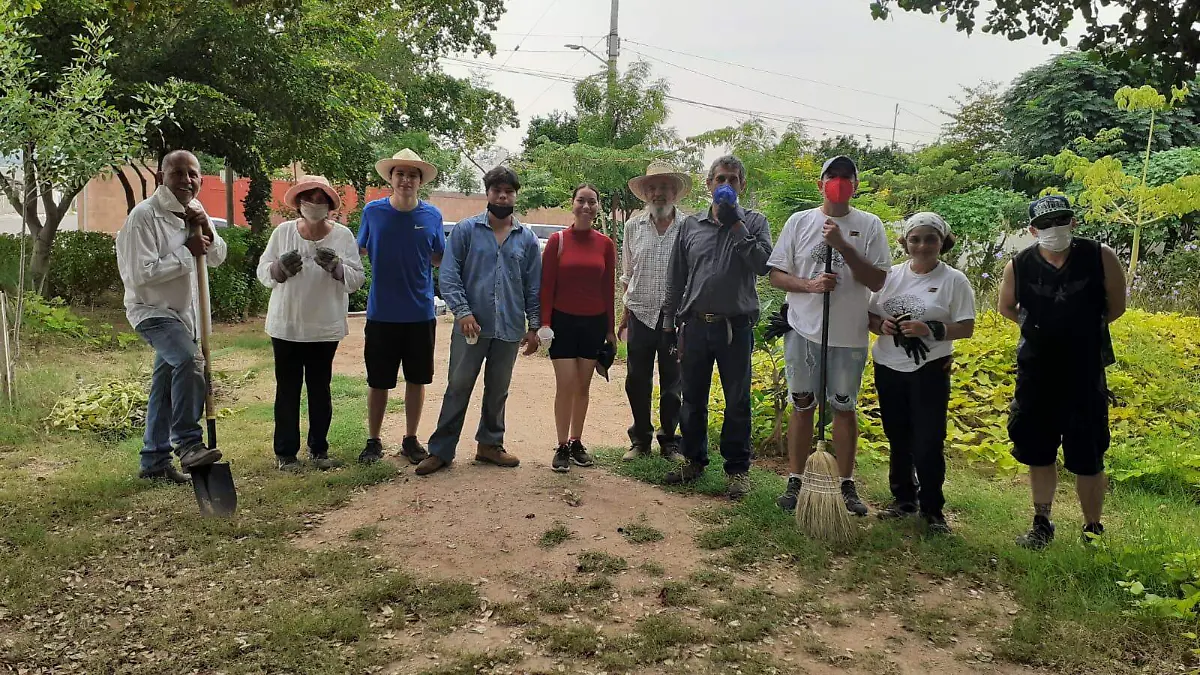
[(831, 63)]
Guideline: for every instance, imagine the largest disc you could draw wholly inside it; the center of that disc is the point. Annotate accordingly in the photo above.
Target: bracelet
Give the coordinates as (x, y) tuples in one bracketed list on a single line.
[(938, 329)]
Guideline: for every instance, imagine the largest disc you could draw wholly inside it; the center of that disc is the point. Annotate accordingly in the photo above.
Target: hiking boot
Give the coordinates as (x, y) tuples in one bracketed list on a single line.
[(1092, 534), (579, 454), (372, 453), (412, 450), (936, 522), (688, 472), (897, 510), (1039, 536), (636, 451), (288, 464), (430, 464), (562, 458), (197, 454), (495, 454), (321, 460), (167, 473), (669, 449), (850, 496), (739, 486), (787, 500)]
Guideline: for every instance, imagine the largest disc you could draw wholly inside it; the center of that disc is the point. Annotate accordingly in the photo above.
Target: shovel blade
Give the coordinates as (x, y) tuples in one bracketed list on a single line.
[(215, 492)]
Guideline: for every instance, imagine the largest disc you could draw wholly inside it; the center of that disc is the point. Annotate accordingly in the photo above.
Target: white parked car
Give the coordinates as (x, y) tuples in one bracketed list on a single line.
[(543, 232)]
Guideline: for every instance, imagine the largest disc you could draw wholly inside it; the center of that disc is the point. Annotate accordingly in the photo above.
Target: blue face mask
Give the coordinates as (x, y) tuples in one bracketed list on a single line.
[(725, 194)]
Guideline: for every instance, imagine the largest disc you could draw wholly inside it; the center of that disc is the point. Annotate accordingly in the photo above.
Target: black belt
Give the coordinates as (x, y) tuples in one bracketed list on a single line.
[(734, 319)]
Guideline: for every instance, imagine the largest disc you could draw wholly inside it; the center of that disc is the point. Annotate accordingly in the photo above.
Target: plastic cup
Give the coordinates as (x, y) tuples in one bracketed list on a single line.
[(546, 335), (471, 339)]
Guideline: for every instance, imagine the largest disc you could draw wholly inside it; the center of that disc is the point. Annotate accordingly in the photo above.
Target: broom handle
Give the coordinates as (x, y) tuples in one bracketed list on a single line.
[(205, 318), (824, 348)]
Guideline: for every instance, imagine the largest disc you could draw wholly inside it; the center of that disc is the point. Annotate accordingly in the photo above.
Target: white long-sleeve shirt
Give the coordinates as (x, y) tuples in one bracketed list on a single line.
[(311, 306), (156, 267)]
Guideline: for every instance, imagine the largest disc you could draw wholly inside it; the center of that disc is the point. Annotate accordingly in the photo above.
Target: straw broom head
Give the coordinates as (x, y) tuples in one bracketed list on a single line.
[(820, 510)]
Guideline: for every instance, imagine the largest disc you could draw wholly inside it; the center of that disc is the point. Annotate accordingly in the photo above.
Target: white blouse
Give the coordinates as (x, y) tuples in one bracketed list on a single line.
[(311, 306)]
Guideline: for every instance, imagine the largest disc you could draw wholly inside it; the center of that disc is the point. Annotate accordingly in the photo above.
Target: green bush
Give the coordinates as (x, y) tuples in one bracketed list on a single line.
[(10, 259), (358, 299), (83, 266), (233, 286), (1169, 283)]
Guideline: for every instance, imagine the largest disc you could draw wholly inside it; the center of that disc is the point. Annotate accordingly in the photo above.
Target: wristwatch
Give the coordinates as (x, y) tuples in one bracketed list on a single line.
[(937, 329)]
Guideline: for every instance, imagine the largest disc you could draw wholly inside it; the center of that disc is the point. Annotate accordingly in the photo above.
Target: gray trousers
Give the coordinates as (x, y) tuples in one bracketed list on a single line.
[(465, 363)]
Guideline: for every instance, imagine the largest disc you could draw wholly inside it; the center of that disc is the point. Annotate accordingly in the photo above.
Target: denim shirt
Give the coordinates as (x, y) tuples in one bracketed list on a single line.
[(497, 283)]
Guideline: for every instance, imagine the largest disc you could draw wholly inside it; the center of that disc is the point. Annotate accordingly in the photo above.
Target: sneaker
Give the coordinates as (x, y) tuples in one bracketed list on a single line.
[(579, 454), (495, 454), (168, 473), (197, 454), (850, 496), (372, 453), (636, 451), (936, 522), (321, 460), (1039, 536), (412, 450), (430, 464), (669, 449), (739, 486), (562, 458), (689, 472), (787, 500), (1092, 534), (288, 464), (897, 510)]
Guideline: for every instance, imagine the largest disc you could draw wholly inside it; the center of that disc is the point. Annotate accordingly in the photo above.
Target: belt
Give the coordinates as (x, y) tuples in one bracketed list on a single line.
[(729, 321)]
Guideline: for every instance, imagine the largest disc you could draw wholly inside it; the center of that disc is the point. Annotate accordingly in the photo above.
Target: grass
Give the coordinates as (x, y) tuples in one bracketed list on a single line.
[(652, 568), (639, 532), (560, 596), (364, 533), (599, 561), (555, 536)]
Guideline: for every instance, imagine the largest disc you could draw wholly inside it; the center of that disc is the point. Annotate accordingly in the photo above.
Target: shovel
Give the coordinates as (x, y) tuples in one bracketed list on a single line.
[(213, 483)]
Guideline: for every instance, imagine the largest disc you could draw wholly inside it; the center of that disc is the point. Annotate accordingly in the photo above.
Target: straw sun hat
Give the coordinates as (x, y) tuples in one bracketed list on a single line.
[(656, 169), (312, 183), (406, 157)]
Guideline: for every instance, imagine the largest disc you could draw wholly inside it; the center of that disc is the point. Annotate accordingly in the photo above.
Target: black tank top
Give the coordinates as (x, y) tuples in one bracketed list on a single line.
[(1063, 310)]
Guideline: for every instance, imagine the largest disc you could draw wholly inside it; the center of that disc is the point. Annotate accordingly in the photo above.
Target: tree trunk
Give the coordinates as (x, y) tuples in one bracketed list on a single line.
[(129, 200)]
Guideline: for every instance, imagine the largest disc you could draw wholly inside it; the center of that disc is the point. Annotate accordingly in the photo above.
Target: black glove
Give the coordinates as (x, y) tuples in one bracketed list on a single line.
[(291, 263), (777, 325), (327, 259), (728, 213), (915, 347)]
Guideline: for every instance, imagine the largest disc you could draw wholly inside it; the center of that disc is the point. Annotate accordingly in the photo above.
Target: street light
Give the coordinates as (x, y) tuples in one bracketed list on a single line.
[(578, 47)]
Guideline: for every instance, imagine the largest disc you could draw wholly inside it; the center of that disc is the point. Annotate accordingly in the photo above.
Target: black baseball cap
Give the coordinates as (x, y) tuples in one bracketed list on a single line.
[(1048, 208)]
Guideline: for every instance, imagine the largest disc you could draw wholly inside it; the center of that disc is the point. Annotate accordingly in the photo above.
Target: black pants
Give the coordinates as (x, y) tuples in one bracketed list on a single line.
[(645, 343), (727, 343), (297, 364), (913, 407)]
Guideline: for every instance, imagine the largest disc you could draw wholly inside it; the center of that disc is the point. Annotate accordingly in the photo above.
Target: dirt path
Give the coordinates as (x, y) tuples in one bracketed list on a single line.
[(482, 524)]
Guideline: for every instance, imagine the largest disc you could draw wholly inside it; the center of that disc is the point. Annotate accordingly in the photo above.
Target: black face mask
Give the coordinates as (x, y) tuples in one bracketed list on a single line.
[(499, 211)]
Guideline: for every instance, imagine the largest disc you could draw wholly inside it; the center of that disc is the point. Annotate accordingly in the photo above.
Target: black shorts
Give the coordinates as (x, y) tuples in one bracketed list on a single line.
[(1044, 414), (577, 337), (388, 345)]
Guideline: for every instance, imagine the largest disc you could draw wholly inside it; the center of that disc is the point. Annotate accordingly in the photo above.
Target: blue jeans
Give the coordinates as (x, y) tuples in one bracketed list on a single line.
[(176, 391), (729, 346), (465, 362)]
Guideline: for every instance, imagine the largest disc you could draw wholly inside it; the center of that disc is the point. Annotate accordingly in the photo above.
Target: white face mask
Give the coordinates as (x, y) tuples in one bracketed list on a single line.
[(314, 213), (1056, 239)]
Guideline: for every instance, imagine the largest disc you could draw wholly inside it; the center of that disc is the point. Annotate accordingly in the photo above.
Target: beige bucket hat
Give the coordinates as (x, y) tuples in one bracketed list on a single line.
[(312, 183), (406, 157), (656, 169)]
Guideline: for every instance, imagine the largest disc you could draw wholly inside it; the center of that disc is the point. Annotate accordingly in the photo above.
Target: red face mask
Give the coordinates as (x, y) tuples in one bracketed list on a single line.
[(839, 190)]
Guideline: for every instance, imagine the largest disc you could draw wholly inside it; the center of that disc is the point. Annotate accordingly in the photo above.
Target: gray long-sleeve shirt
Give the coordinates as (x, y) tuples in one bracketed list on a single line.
[(713, 267)]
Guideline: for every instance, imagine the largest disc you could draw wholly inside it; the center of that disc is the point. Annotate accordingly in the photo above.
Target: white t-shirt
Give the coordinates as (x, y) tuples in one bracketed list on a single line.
[(800, 252), (944, 294), (311, 306)]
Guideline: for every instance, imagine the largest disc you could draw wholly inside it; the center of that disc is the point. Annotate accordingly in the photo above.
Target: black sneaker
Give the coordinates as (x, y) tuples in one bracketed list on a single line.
[(689, 472), (288, 464), (897, 510), (1039, 536), (579, 454), (562, 458), (850, 496), (936, 522), (412, 450), (168, 473), (372, 453), (1092, 534), (787, 500)]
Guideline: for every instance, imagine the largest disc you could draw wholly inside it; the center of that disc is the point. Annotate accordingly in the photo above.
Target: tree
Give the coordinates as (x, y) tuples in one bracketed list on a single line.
[(1072, 96), (634, 113), (559, 126), (977, 127), (1167, 31), (866, 155), (64, 126)]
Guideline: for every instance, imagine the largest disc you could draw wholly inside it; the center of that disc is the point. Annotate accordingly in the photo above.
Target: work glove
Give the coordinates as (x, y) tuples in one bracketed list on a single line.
[(288, 266), (914, 347), (327, 259), (777, 325)]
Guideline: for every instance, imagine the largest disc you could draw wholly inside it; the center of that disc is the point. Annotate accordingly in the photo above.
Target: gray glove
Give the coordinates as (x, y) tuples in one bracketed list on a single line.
[(327, 259), (288, 266)]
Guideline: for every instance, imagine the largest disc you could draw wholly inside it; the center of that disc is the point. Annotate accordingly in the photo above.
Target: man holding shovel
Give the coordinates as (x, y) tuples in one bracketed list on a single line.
[(857, 245), (156, 251)]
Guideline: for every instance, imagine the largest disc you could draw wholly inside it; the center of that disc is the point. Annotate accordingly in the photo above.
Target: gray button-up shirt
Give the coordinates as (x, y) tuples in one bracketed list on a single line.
[(714, 266)]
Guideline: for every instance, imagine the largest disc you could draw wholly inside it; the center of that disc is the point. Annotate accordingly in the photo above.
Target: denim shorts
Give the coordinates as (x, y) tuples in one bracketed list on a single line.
[(803, 358)]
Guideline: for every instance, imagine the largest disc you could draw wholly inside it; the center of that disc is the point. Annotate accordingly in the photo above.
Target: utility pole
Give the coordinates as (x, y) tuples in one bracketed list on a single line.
[(895, 119), (614, 50)]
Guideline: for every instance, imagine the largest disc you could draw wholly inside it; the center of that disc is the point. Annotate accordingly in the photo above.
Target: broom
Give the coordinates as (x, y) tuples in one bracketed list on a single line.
[(820, 511)]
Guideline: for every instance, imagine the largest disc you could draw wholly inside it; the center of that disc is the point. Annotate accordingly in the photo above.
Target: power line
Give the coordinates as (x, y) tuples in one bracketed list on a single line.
[(787, 75), (550, 86), (535, 24), (918, 116)]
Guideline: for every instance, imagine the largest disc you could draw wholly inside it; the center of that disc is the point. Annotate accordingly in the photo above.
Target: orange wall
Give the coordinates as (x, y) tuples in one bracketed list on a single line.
[(104, 209)]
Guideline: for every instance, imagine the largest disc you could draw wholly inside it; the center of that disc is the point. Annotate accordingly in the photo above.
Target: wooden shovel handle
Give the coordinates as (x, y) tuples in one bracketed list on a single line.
[(205, 319)]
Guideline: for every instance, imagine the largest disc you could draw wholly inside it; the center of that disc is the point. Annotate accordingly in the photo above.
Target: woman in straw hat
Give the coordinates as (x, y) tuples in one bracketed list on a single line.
[(578, 276), (311, 265), (922, 308)]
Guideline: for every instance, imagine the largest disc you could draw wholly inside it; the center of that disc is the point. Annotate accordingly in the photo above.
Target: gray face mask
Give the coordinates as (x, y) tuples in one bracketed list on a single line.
[(1056, 239)]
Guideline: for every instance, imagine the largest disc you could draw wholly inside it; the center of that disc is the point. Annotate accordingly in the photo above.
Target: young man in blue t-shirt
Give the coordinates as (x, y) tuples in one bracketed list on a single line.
[(403, 238)]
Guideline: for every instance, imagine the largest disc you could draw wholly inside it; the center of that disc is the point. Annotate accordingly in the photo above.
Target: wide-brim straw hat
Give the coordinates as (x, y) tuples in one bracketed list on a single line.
[(312, 183), (656, 170), (406, 157)]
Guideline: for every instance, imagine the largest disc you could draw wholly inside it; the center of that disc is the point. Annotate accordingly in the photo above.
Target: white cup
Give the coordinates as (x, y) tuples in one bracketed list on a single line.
[(471, 339), (545, 334)]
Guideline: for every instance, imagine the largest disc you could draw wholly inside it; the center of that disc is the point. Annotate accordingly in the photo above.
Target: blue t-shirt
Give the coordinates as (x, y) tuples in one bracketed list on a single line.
[(401, 246)]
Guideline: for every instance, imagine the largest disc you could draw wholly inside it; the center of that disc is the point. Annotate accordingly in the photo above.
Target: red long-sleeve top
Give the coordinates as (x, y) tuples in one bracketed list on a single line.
[(579, 270)]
